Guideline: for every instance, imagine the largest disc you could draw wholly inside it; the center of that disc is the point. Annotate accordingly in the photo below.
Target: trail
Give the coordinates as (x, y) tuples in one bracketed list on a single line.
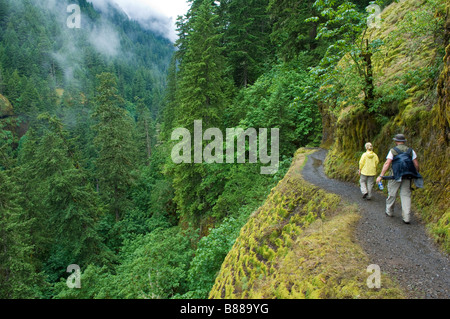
[(403, 251)]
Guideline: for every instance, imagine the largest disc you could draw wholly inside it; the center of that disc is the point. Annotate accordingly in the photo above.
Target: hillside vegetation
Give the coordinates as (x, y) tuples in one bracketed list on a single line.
[(299, 245), (411, 97), (77, 114)]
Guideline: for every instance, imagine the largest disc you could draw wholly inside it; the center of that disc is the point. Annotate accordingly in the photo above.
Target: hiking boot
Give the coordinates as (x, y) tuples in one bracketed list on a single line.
[(388, 215), (405, 222), (365, 195)]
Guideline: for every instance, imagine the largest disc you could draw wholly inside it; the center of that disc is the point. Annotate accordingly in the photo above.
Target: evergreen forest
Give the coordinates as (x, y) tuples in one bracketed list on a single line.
[(87, 117)]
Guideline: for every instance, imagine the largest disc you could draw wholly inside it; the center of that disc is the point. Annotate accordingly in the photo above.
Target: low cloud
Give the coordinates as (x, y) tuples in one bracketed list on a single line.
[(101, 35), (105, 40), (149, 15)]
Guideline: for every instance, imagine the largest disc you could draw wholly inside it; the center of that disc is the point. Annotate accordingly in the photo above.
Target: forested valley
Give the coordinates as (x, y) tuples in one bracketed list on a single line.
[(86, 122)]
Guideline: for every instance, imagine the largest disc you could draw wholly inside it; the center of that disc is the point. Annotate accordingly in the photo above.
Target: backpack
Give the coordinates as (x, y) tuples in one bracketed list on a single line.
[(403, 166)]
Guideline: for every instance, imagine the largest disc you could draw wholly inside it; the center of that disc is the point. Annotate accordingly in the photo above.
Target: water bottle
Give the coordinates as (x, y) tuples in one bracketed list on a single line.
[(380, 185)]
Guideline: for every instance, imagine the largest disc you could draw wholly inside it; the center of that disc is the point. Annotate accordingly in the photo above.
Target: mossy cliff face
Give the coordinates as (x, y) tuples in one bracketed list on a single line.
[(443, 89), (299, 244), (413, 91), (13, 127), (7, 120), (6, 108), (439, 168)]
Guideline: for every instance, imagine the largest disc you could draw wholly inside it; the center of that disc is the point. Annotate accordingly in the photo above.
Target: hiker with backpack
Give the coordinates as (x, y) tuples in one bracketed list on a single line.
[(405, 170), (367, 171)]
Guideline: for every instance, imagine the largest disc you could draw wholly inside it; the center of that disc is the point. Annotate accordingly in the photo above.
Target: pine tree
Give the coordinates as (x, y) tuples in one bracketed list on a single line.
[(247, 39), (3, 12), (145, 132), (29, 99), (204, 86), (203, 93), (170, 101), (115, 146), (29, 179), (63, 204), (291, 33), (18, 275), (14, 85)]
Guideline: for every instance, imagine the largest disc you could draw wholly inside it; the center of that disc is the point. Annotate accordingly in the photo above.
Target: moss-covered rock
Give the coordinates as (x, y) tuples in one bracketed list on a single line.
[(6, 108), (299, 244)]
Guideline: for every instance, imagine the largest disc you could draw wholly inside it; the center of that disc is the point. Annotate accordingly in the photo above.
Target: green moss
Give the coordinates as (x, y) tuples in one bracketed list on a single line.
[(298, 251)]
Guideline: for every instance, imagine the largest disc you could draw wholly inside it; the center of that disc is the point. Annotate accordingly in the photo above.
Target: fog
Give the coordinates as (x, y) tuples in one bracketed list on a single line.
[(157, 16)]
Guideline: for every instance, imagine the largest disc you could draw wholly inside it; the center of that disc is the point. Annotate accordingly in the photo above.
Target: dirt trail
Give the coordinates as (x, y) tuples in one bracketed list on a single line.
[(403, 251)]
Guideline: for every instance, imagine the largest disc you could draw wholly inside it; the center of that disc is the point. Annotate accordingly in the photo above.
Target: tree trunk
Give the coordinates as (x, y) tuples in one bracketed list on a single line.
[(369, 88), (147, 137)]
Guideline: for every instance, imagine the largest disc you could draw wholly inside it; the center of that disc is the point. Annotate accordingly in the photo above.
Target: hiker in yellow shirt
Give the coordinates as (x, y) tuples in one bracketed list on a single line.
[(367, 171)]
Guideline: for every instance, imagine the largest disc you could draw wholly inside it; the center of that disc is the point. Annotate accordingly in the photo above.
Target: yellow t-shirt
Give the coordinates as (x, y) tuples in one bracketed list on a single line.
[(368, 163)]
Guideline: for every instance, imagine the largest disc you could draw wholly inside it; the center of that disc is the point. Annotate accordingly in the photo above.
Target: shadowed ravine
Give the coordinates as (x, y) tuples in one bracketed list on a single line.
[(403, 251)]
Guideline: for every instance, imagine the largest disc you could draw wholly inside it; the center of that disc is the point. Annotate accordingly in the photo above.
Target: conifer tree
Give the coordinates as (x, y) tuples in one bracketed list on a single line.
[(145, 132), (3, 11), (14, 85), (29, 179), (204, 87), (18, 275), (291, 33), (115, 146), (247, 39), (203, 93), (63, 205), (170, 101)]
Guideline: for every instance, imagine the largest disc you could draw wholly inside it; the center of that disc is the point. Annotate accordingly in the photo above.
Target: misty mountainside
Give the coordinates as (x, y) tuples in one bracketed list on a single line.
[(46, 63), (83, 95)]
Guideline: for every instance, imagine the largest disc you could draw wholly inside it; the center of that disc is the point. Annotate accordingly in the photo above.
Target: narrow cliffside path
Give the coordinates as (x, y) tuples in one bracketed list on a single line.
[(405, 252)]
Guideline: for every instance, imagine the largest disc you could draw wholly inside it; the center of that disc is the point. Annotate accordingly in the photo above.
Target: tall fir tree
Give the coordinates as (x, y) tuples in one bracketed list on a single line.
[(29, 177), (203, 93), (115, 145), (247, 39), (19, 277), (204, 88), (291, 33), (145, 133), (71, 201), (63, 207)]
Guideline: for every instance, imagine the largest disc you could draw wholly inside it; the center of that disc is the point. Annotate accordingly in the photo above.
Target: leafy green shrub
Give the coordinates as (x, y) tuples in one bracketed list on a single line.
[(155, 265), (152, 266), (210, 253), (277, 100)]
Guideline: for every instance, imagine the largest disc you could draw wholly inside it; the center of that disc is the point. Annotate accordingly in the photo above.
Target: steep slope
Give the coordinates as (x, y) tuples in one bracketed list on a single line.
[(411, 86), (299, 244)]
